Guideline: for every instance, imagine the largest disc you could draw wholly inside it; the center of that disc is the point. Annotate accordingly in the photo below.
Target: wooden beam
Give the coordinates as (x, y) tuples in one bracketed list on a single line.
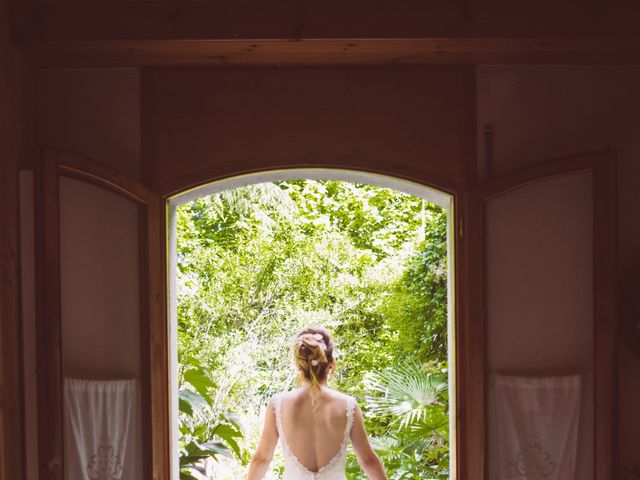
[(289, 32), (337, 52)]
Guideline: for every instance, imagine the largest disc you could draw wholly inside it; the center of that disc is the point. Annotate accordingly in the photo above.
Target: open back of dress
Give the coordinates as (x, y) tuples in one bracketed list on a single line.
[(334, 469)]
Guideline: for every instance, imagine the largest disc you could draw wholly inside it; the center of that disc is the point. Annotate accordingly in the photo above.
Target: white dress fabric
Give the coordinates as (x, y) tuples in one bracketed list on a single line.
[(99, 436), (333, 470), (534, 427)]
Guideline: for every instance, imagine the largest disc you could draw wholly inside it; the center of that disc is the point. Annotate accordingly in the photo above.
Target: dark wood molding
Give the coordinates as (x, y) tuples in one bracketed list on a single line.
[(471, 341), (253, 33), (48, 320), (157, 339), (605, 244), (628, 308), (535, 172), (11, 367), (11, 387), (84, 169)]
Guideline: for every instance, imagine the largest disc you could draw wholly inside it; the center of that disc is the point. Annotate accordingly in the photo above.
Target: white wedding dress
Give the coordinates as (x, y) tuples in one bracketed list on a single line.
[(333, 470)]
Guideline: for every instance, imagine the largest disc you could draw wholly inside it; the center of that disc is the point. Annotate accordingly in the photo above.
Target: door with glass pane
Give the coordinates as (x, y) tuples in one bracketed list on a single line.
[(100, 323), (540, 270)]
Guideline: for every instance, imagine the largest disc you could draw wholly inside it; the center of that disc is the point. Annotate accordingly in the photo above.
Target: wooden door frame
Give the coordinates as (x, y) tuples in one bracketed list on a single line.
[(602, 165), (470, 302), (55, 164), (469, 352)]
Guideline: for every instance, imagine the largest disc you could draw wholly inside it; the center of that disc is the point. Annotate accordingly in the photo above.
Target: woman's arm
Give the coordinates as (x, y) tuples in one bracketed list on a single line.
[(264, 453), (367, 458)]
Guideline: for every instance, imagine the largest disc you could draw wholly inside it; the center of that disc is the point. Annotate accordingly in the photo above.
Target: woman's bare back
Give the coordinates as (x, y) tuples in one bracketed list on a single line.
[(315, 429), (314, 423), (314, 440)]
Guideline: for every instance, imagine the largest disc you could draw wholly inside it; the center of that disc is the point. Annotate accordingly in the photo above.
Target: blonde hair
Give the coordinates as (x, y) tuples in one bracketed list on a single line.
[(313, 353)]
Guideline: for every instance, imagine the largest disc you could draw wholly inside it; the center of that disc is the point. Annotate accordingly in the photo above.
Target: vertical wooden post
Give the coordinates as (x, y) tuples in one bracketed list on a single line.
[(11, 382), (48, 320), (471, 340), (605, 320)]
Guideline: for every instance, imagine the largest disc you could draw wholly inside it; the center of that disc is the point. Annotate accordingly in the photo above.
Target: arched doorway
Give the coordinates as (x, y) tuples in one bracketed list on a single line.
[(431, 195)]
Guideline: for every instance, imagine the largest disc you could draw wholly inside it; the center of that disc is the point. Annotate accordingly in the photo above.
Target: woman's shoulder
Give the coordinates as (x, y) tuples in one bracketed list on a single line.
[(341, 394), (277, 397), (329, 392), (341, 397)]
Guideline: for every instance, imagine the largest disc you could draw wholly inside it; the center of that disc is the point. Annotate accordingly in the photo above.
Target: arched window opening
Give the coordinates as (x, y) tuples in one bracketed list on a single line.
[(252, 259)]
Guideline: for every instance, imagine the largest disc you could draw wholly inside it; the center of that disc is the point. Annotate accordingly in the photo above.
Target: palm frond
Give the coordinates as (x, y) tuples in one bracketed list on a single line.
[(408, 394)]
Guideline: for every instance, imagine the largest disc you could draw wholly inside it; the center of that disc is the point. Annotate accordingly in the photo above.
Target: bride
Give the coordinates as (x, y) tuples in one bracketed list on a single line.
[(314, 423)]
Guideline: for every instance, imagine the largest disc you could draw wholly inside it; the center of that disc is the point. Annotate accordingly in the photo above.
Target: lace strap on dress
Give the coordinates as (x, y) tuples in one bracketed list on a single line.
[(277, 406), (351, 407)]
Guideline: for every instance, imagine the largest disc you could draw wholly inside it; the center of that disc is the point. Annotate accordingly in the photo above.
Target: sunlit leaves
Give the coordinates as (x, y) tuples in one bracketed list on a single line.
[(258, 263), (202, 435), (415, 401), (201, 381), (406, 392)]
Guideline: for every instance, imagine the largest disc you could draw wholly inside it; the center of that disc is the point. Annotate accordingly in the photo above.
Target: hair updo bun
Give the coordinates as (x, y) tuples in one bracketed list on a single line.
[(313, 352)]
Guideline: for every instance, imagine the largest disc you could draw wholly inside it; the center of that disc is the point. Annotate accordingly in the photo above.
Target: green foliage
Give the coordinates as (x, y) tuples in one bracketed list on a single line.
[(258, 263), (418, 306), (407, 393), (414, 403), (200, 437)]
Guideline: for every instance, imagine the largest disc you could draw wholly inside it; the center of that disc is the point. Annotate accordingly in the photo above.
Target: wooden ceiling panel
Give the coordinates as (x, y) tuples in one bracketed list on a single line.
[(330, 19), (332, 32)]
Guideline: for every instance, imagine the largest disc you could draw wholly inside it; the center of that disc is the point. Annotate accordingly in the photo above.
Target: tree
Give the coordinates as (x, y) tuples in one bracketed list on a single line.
[(257, 264)]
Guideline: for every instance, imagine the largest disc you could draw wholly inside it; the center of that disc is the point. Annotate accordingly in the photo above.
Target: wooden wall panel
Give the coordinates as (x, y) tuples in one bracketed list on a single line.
[(13, 73), (91, 112), (205, 124), (11, 428)]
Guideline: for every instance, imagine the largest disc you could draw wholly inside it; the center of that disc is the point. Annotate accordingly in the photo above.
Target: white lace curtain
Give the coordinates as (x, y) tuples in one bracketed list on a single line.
[(100, 439), (534, 427)]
